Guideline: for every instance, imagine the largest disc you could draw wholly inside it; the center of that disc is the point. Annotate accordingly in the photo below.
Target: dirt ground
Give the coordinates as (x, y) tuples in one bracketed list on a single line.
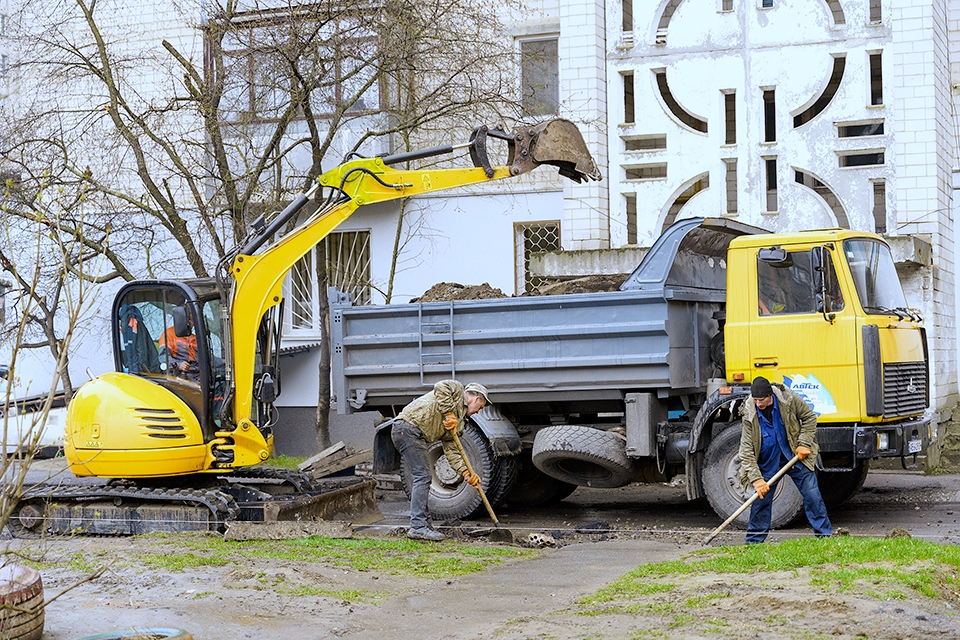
[(600, 535)]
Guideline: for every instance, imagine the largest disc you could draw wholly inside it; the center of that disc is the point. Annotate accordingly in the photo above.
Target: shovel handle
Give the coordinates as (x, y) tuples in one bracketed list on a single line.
[(749, 502), (466, 461)]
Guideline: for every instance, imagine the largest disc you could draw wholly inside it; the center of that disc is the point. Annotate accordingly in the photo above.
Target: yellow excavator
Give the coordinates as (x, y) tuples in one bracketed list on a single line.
[(180, 426)]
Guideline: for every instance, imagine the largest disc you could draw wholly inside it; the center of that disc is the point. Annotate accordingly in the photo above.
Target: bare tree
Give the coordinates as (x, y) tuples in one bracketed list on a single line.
[(177, 142)]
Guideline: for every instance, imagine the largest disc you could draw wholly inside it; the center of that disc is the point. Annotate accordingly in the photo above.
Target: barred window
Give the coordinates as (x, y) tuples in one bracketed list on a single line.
[(348, 268)]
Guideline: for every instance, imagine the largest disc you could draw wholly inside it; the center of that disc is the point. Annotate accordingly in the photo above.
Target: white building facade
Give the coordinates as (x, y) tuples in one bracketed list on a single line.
[(790, 115)]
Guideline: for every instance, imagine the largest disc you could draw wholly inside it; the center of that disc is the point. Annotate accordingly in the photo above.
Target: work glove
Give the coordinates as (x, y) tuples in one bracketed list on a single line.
[(450, 421), (802, 451), (761, 486), (471, 479)]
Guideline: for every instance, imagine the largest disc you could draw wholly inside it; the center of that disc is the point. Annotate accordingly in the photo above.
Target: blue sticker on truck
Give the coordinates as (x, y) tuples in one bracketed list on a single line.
[(813, 392)]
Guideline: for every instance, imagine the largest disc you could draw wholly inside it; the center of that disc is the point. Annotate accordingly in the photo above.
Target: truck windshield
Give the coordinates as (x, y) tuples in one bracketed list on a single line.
[(875, 277)]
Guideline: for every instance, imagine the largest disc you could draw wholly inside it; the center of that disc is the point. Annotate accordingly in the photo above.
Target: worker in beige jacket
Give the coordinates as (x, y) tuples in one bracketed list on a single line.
[(431, 417)]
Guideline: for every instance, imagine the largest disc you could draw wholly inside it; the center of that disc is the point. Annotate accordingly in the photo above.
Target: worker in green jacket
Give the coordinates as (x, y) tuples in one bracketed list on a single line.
[(431, 417), (778, 424)]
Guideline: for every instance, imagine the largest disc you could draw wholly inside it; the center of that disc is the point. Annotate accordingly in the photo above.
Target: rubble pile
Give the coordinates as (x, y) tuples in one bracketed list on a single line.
[(443, 291)]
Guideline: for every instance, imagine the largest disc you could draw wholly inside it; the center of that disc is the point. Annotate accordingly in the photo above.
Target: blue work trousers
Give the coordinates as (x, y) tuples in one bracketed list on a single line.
[(412, 445), (806, 482)]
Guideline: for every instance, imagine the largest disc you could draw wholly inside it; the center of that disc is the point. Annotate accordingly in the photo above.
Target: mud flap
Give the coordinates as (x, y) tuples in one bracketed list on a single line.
[(386, 458)]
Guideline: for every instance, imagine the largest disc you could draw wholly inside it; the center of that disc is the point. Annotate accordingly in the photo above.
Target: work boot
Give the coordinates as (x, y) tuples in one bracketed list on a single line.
[(425, 533)]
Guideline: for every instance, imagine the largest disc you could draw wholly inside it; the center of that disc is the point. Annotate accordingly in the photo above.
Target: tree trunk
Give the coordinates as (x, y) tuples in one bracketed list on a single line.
[(323, 305)]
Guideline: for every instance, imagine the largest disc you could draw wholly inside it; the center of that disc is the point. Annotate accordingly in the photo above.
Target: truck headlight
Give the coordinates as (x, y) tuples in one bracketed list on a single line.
[(883, 441)]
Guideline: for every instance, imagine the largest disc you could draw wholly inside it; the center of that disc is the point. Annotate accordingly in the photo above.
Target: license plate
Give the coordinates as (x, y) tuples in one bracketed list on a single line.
[(914, 446)]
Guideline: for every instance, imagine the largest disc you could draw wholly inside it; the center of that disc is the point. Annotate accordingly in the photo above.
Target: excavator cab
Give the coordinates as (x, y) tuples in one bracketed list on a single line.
[(169, 335)]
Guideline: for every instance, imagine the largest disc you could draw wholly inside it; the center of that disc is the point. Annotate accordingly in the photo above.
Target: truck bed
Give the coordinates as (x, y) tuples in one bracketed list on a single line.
[(653, 334)]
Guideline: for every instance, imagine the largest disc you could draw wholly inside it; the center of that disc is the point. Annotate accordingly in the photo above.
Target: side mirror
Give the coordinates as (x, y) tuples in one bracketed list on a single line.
[(821, 265), (775, 257)]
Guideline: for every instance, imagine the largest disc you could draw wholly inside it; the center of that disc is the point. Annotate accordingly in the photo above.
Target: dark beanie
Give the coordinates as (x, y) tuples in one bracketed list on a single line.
[(761, 388)]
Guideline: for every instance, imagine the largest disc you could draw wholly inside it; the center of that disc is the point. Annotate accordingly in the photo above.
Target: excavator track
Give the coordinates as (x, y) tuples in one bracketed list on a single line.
[(119, 510)]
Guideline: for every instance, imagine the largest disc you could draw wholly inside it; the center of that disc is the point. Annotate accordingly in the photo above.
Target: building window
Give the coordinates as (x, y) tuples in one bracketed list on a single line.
[(880, 205), (540, 77), (826, 194), (695, 186), (687, 118), (767, 4), (769, 116), (347, 255), (862, 159), (631, 211), (667, 14), (646, 171), (876, 79), (731, 165), (645, 143), (837, 11), (627, 16), (833, 85), (770, 165), (730, 117), (860, 130), (726, 5), (629, 112), (532, 238), (259, 83), (875, 17)]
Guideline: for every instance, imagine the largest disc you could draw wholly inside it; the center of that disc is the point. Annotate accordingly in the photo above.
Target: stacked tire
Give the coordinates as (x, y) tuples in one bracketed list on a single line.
[(450, 497), (21, 594)]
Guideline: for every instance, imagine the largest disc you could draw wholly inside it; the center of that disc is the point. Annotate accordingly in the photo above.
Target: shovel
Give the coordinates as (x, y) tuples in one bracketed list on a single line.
[(483, 496), (749, 502)]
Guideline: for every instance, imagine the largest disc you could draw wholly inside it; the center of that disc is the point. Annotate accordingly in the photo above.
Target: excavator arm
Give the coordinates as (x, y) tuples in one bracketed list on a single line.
[(258, 277)]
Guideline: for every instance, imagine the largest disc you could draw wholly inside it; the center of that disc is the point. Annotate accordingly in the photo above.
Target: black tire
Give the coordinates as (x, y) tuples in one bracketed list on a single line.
[(721, 482), (21, 589), (504, 478), (534, 488), (837, 487), (583, 456), (450, 497)]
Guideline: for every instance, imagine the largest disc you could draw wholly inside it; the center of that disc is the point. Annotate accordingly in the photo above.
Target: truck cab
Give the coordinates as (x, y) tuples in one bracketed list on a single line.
[(823, 312)]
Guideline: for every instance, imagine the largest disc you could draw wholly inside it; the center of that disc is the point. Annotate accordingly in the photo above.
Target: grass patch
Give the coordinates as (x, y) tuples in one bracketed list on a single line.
[(284, 461), (351, 595), (882, 567), (401, 557)]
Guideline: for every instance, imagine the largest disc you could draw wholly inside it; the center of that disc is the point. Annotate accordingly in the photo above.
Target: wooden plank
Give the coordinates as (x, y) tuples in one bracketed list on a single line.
[(332, 466), (329, 451)]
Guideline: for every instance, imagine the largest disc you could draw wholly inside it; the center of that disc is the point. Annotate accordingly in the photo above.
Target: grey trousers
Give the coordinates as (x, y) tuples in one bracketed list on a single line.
[(412, 445)]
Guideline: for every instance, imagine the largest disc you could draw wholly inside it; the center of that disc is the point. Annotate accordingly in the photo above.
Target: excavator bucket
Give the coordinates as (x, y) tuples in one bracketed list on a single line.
[(558, 143)]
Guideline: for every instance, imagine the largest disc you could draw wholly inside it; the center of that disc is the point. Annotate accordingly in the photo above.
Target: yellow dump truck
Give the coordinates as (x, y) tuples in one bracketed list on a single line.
[(645, 383)]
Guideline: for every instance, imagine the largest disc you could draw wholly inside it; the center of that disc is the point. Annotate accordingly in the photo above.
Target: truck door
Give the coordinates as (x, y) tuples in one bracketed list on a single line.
[(797, 339)]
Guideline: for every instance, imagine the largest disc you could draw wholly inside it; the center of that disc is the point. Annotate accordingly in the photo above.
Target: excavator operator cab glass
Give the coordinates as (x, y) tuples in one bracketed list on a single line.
[(162, 333), (875, 277)]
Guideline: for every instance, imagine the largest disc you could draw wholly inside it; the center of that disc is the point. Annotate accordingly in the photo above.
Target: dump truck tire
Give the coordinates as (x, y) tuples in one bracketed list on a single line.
[(837, 487), (450, 497), (504, 479), (721, 482), (534, 488), (583, 456)]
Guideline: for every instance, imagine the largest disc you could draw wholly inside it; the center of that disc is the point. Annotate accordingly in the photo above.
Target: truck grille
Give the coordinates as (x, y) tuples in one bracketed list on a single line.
[(904, 389)]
